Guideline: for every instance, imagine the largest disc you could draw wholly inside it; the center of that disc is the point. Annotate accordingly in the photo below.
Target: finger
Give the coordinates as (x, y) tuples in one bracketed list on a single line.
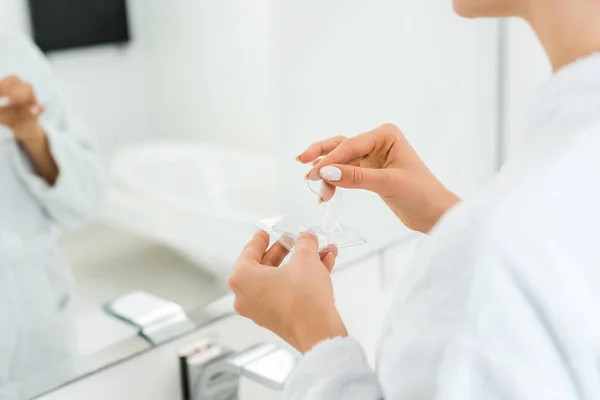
[(306, 243), (380, 181), (319, 149), (6, 86), (21, 94), (347, 151), (329, 261), (328, 256), (275, 255), (355, 162), (256, 248), (8, 83), (332, 249)]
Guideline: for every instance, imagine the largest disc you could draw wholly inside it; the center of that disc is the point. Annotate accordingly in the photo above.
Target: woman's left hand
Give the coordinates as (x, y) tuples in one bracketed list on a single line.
[(295, 301), (20, 110)]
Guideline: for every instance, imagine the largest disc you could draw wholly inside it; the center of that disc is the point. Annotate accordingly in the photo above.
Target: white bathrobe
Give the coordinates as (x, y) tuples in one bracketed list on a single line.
[(36, 286), (503, 299)]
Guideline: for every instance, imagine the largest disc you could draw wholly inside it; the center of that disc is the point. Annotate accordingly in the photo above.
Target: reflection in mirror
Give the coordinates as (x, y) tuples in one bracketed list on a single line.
[(94, 265)]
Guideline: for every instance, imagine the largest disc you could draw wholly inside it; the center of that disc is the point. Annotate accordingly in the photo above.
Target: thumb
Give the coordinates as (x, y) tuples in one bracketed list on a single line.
[(306, 243), (348, 176)]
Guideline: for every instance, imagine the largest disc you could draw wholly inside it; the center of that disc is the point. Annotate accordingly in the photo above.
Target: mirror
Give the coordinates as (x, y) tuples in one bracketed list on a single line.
[(128, 195)]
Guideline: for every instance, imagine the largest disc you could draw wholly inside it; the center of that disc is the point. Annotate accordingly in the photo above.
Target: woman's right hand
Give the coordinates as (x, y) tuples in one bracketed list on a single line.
[(382, 161)]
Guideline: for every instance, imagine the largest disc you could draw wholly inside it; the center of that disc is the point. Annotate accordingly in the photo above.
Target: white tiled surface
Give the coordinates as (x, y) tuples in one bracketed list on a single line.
[(108, 263)]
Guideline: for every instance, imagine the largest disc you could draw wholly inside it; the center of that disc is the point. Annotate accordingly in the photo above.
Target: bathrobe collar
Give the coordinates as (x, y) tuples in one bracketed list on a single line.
[(572, 95)]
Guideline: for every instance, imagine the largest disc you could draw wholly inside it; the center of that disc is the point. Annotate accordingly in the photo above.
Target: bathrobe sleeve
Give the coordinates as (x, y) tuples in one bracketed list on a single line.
[(470, 325), (79, 190), (334, 369)]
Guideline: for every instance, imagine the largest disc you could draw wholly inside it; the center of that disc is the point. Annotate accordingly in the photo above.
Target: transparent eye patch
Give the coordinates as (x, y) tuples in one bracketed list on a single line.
[(326, 225)]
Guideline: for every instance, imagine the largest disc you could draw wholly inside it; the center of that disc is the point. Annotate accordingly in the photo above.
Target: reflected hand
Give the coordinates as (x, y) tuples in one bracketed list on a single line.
[(19, 109), (295, 301), (382, 161)]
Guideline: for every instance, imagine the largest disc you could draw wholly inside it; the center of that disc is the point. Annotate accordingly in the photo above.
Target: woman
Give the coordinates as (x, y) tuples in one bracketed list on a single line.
[(49, 179), (503, 300)]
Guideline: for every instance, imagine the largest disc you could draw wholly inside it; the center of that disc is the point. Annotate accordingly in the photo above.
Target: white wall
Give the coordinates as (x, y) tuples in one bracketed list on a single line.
[(108, 86), (13, 15), (211, 64)]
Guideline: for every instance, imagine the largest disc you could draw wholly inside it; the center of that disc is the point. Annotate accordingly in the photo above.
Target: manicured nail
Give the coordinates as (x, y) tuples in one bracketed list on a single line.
[(313, 176), (330, 173), (4, 101), (298, 158)]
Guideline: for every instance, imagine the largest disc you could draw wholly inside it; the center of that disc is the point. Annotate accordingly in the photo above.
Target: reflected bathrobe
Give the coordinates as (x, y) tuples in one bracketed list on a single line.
[(503, 298), (36, 285)]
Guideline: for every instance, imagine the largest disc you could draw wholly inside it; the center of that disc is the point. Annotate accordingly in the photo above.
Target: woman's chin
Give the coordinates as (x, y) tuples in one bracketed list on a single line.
[(483, 8), (466, 9)]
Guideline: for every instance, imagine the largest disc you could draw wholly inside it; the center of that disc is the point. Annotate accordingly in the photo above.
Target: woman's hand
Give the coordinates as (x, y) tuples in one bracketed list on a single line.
[(383, 162), (19, 109), (295, 301)]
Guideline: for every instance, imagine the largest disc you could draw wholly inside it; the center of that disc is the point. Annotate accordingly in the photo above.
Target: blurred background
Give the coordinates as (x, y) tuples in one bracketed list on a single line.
[(200, 107), (216, 64)]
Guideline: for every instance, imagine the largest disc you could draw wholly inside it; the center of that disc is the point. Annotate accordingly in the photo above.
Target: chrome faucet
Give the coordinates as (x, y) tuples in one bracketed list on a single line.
[(211, 372)]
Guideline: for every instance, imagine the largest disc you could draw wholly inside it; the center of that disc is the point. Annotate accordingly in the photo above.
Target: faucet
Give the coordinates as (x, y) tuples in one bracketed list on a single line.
[(210, 371)]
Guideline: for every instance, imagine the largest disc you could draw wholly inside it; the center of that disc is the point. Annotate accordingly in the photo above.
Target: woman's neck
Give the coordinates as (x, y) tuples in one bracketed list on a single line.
[(568, 30)]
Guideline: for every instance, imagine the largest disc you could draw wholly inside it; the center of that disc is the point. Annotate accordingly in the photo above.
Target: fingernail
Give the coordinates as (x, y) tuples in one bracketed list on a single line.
[(321, 200), (298, 157), (4, 101), (307, 230), (35, 110), (330, 173), (313, 176)]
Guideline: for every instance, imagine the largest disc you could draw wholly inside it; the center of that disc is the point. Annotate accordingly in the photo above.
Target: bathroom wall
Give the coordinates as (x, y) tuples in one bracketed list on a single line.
[(211, 67)]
